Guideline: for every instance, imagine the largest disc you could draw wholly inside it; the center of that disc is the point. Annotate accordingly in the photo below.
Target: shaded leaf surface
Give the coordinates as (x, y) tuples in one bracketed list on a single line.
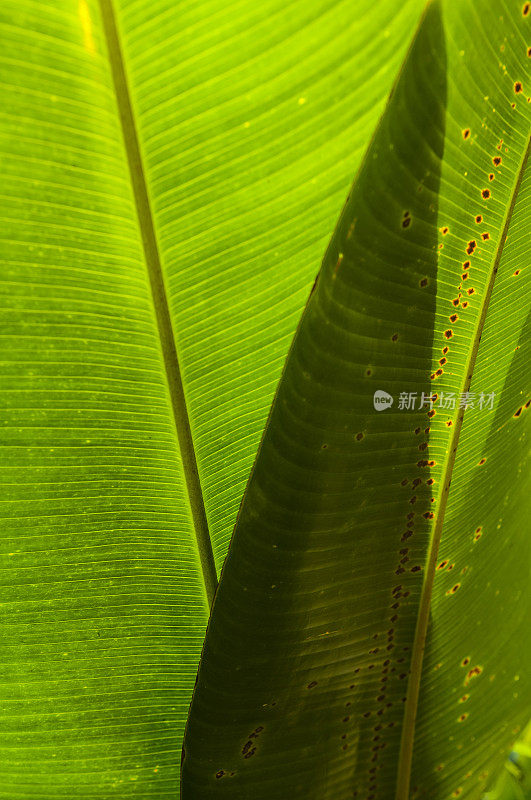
[(351, 539)]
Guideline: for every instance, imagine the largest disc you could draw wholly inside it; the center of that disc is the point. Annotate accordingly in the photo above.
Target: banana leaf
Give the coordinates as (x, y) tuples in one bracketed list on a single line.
[(370, 634), (171, 173)]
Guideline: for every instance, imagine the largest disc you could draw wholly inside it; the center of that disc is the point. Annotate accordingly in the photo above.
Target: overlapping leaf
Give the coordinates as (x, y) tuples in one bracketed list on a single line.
[(363, 531)]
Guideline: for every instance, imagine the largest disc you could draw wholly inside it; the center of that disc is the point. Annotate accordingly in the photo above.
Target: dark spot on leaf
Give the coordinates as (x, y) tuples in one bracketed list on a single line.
[(471, 246), (394, 337), (220, 773), (479, 219), (359, 436), (518, 87), (497, 160), (485, 236), (485, 193), (247, 752), (312, 684), (466, 133), (471, 291), (473, 673), (423, 282), (517, 412), (481, 462), (464, 305), (491, 176), (454, 318), (445, 350)]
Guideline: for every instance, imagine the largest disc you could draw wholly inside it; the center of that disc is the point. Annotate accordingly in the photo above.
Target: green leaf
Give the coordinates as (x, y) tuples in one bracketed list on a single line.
[(151, 286), (369, 638), (514, 781)]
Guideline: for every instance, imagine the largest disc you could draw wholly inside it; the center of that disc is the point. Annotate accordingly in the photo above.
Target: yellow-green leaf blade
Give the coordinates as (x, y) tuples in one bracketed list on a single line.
[(104, 599)]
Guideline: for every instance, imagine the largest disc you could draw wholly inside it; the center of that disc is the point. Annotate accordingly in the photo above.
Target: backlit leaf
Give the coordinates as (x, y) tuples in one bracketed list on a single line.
[(364, 531)]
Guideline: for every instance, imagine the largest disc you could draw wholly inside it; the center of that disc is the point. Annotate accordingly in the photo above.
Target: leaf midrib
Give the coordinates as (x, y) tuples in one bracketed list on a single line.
[(413, 689), (160, 299)]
